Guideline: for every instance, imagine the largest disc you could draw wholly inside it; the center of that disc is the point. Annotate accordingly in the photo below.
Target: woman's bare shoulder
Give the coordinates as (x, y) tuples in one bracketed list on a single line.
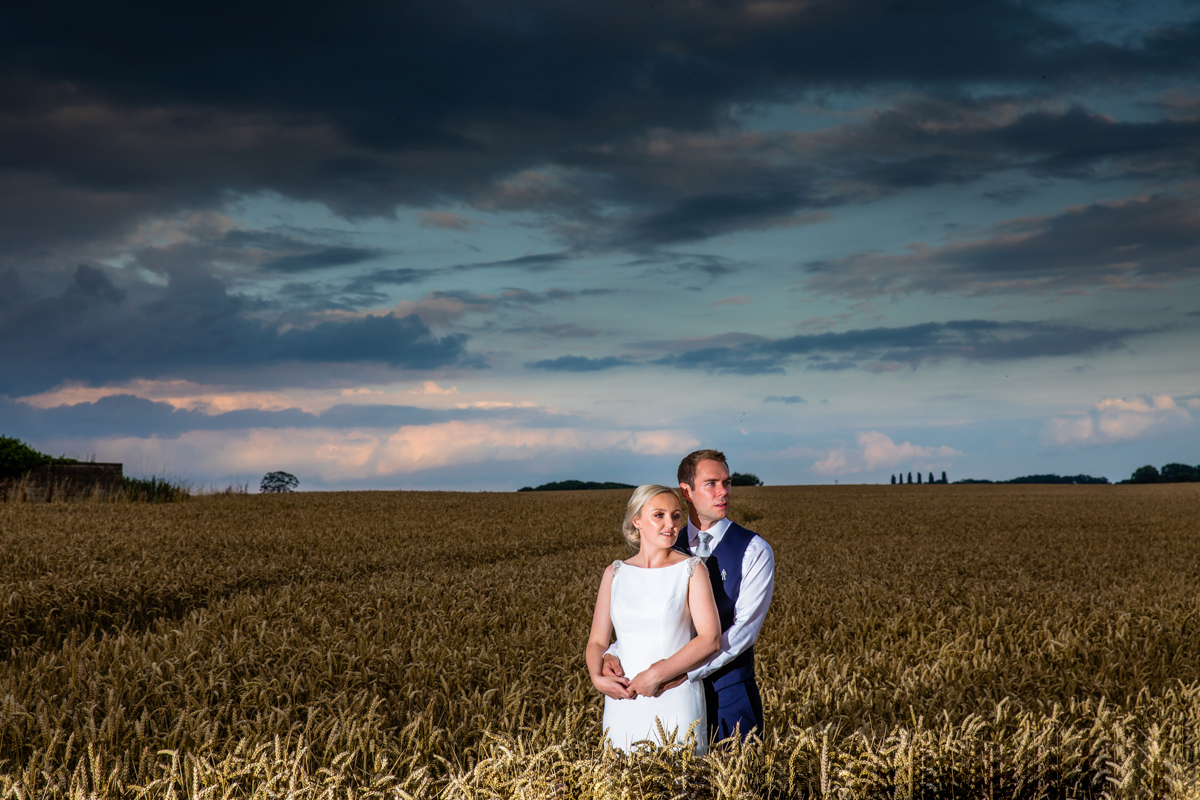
[(677, 558)]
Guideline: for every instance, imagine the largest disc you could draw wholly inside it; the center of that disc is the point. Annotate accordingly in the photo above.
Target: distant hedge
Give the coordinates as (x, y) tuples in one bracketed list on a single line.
[(1040, 479), (17, 458), (567, 486), (1058, 479)]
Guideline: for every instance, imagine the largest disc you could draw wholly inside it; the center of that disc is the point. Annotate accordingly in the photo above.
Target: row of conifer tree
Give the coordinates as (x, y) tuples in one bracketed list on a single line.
[(900, 478)]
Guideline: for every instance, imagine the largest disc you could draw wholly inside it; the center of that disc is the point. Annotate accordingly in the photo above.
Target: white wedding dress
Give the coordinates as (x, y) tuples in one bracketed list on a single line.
[(649, 610)]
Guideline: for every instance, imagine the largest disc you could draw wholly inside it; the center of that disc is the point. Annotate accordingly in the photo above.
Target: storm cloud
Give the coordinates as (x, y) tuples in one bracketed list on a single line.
[(1138, 243), (128, 415), (87, 333), (579, 363), (883, 349), (111, 116)]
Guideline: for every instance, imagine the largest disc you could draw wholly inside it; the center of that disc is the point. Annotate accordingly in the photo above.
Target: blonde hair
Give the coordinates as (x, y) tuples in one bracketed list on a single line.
[(642, 495)]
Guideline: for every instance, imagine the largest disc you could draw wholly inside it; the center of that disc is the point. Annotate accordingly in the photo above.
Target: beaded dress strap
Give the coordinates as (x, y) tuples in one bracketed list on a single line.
[(692, 562), (617, 566)]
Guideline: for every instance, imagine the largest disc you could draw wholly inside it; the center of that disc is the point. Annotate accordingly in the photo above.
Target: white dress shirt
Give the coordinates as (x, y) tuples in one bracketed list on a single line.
[(750, 608)]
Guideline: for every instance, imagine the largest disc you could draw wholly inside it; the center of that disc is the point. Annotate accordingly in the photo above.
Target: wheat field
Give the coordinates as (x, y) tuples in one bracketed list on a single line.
[(923, 642)]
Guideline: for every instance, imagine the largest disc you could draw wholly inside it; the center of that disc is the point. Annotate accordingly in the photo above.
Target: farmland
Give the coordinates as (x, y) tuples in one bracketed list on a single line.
[(936, 641)]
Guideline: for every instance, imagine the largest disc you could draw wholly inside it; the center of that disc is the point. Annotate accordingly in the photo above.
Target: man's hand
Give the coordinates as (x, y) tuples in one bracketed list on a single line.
[(678, 680), (611, 667), (614, 687)]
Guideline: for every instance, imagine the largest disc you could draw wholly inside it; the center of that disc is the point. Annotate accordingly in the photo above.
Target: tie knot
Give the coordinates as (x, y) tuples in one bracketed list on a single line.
[(705, 548)]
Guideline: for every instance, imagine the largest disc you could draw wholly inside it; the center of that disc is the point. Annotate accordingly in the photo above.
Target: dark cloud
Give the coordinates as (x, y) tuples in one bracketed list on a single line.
[(788, 400), (697, 218), (933, 140), (12, 291), (732, 181), (537, 262), (526, 297), (324, 258), (579, 364), (132, 111), (127, 415), (443, 306), (1140, 243), (204, 246), (569, 329), (366, 288), (404, 342), (94, 283), (88, 334), (727, 360), (884, 349)]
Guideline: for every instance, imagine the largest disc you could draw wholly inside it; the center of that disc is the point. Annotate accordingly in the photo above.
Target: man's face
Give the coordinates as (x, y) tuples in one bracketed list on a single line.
[(710, 495)]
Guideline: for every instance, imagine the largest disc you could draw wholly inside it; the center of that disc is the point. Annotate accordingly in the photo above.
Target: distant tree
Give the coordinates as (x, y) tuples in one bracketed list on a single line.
[(1075, 479), (944, 477), (931, 480), (918, 478), (893, 480), (278, 483), (745, 479), (1179, 473), (575, 485), (1146, 474), (910, 478)]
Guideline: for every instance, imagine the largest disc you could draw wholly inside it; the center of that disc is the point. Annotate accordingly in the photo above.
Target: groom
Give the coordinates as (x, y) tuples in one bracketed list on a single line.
[(741, 566)]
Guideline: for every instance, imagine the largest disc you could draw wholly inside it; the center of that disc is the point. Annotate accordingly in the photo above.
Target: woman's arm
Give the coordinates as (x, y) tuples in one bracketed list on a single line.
[(701, 648), (611, 685)]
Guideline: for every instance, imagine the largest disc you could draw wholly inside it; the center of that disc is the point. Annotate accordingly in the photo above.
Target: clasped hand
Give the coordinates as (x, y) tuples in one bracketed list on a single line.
[(647, 683)]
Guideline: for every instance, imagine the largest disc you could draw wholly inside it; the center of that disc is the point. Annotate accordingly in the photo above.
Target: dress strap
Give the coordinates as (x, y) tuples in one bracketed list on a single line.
[(692, 562), (617, 567)]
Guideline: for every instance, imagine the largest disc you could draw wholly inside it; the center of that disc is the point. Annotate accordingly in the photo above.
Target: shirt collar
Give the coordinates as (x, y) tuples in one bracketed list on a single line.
[(717, 531)]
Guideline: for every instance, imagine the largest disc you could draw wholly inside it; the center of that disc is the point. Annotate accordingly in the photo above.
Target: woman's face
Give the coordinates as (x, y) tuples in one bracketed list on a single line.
[(659, 521)]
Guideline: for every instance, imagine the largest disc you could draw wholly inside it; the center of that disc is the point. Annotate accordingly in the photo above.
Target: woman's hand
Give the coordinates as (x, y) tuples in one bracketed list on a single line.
[(649, 681), (614, 687)]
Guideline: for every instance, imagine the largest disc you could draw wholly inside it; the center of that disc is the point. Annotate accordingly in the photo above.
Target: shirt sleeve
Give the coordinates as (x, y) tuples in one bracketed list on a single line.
[(750, 609)]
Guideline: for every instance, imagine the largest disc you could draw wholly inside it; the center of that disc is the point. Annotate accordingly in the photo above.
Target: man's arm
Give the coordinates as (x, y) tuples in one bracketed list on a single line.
[(612, 663), (758, 585)]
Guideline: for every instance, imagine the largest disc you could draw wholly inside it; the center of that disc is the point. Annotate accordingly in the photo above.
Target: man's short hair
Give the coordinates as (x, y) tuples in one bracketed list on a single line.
[(687, 467)]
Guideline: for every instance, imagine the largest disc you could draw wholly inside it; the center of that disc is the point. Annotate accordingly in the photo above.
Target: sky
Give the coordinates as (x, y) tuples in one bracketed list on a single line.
[(481, 245)]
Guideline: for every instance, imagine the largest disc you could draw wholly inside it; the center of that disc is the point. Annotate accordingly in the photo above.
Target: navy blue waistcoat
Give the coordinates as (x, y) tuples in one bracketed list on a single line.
[(725, 573)]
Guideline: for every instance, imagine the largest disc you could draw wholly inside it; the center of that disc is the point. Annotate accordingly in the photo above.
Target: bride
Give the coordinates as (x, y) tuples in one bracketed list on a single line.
[(666, 622)]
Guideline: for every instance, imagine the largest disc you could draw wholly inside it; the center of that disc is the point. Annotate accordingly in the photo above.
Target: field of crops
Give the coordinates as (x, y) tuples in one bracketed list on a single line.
[(936, 641)]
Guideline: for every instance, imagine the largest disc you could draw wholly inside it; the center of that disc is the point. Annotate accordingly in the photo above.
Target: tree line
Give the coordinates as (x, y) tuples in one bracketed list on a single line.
[(1170, 473), (896, 481)]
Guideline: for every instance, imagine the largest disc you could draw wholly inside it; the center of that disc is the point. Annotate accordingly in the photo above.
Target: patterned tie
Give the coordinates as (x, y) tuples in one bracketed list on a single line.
[(704, 549)]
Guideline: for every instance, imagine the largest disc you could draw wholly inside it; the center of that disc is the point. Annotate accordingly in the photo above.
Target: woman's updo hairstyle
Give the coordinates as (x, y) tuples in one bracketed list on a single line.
[(642, 495)]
